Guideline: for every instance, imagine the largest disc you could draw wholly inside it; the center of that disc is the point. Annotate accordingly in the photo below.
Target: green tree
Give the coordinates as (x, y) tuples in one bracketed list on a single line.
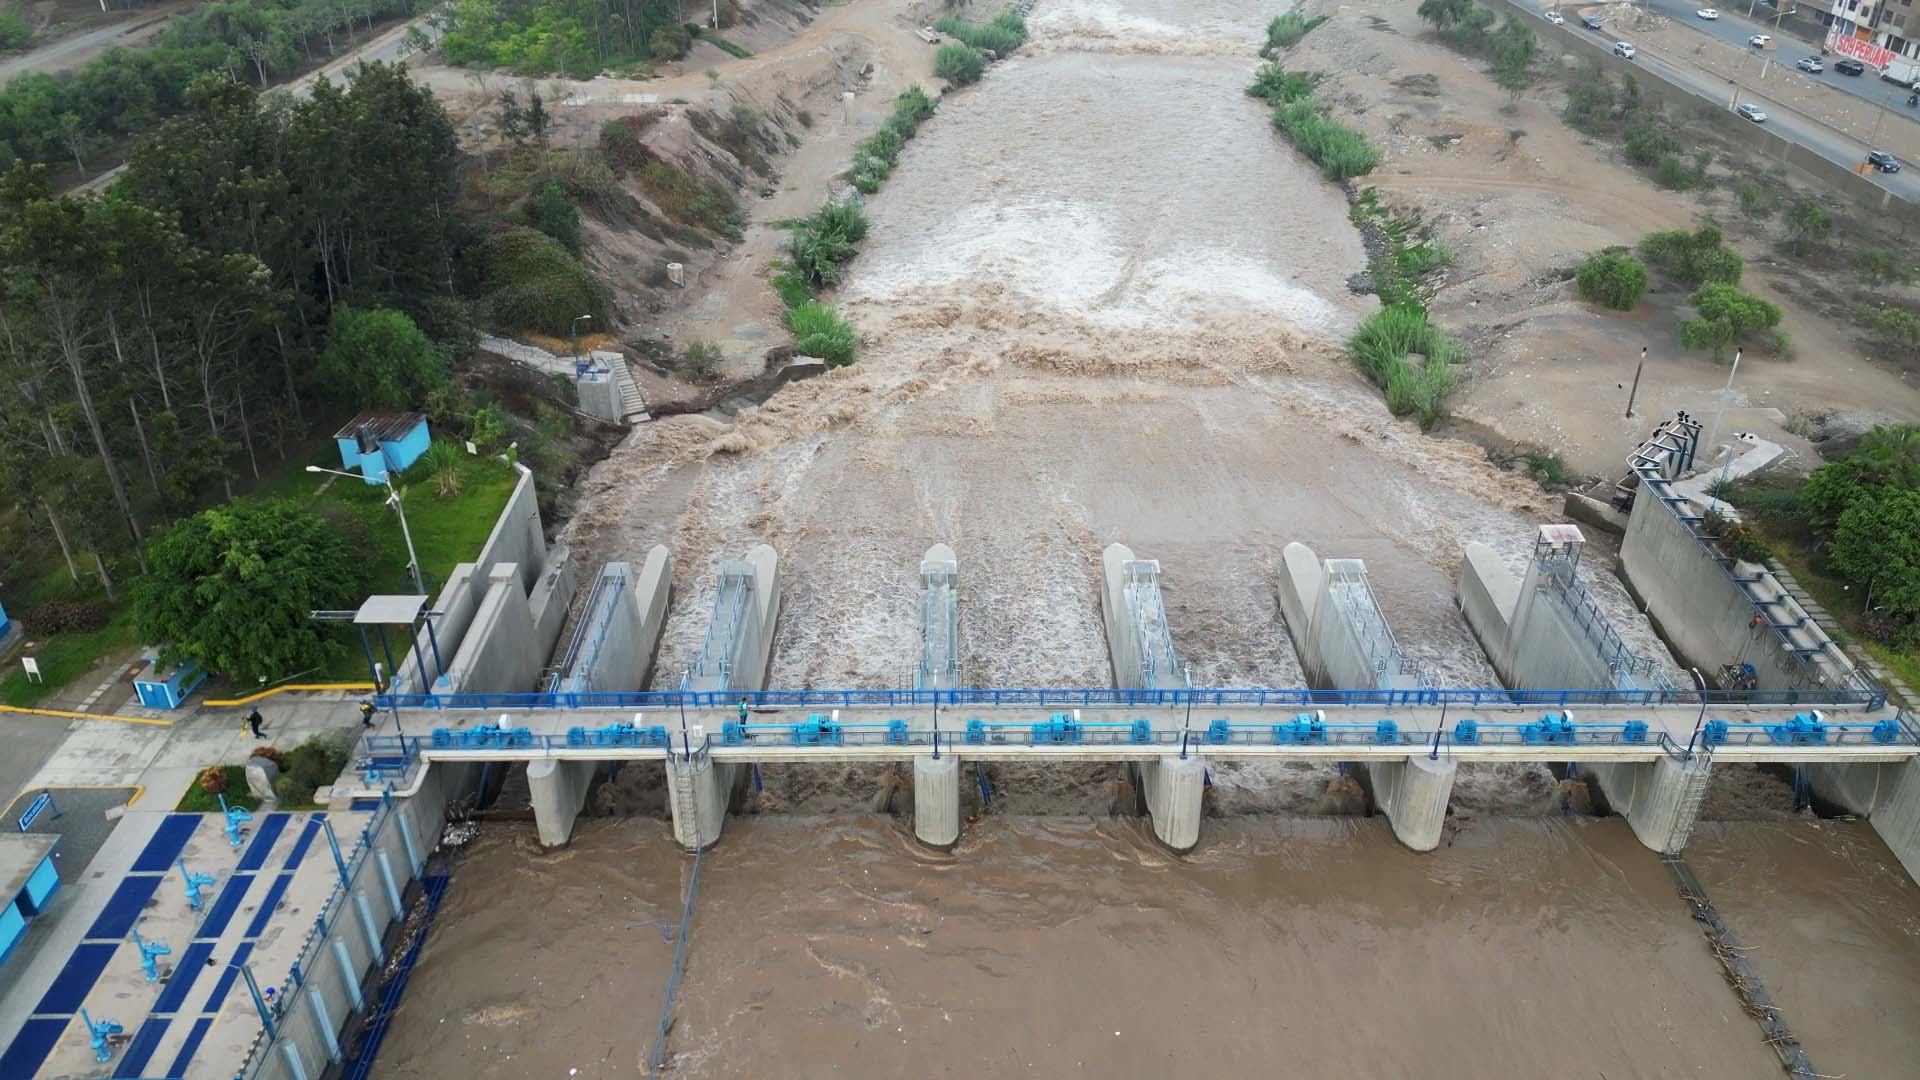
[(1612, 277), (1876, 543), (1444, 14), (1881, 267), (232, 589), (551, 210), (1808, 223), (378, 359), (1726, 314)]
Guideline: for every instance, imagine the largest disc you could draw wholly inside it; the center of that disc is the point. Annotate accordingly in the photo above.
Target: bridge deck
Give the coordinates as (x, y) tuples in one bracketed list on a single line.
[(1010, 734)]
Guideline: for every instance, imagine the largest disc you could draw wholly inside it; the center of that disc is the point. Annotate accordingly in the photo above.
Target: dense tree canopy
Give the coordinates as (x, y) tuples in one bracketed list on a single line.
[(233, 588), (379, 359), (155, 340)]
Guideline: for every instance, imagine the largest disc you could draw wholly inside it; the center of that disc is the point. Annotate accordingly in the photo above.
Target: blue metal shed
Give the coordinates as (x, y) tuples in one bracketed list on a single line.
[(374, 444)]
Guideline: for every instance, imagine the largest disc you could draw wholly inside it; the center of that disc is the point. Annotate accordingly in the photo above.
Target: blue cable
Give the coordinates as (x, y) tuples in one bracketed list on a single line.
[(679, 958)]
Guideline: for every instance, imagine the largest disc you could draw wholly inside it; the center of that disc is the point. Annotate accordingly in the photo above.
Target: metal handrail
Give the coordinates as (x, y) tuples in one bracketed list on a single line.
[(1111, 697)]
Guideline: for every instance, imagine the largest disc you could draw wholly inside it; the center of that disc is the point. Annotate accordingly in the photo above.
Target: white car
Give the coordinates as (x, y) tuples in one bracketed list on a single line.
[(1623, 49), (1555, 18), (1812, 65), (1760, 41), (1752, 112), (1707, 13)]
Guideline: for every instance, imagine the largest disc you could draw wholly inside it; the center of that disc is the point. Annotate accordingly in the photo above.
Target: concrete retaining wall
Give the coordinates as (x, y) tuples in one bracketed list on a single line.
[(628, 630), (1299, 589), (548, 603), (1701, 613), (1887, 794), (498, 652), (517, 536), (1413, 793), (754, 649), (1546, 648)]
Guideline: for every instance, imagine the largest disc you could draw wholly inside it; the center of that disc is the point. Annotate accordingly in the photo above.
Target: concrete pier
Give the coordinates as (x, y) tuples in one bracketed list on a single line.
[(1138, 640), (613, 646), (559, 789), (939, 620), (1338, 630), (1413, 793), (936, 800), (698, 792), (1660, 799), (739, 640), (1544, 632), (1173, 788), (1887, 794)]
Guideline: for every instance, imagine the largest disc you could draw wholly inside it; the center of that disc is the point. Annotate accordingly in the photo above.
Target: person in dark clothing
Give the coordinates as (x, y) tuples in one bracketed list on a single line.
[(366, 713), (743, 710), (257, 724)]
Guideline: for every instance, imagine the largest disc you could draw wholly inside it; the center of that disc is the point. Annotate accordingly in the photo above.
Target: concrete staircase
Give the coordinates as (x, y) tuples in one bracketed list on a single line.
[(633, 404)]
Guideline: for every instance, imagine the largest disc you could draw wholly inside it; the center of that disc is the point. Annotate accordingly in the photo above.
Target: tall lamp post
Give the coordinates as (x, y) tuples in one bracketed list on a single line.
[(574, 329), (393, 500)]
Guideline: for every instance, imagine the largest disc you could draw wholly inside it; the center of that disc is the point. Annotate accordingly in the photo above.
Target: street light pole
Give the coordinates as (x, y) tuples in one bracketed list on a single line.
[(393, 500), (1635, 392), (574, 329)]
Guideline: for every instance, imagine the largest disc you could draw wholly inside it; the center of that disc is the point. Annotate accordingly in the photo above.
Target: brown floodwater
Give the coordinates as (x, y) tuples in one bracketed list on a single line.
[(1285, 946)]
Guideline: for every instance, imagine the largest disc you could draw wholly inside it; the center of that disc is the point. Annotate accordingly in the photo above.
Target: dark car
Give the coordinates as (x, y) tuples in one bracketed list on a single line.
[(1849, 67), (1883, 161), (1591, 22)]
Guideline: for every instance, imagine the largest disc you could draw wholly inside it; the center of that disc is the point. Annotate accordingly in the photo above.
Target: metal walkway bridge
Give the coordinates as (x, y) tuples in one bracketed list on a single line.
[(1115, 725)]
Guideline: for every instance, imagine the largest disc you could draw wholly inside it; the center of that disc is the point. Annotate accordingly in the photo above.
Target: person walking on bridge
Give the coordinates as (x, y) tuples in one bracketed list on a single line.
[(366, 713), (743, 710)]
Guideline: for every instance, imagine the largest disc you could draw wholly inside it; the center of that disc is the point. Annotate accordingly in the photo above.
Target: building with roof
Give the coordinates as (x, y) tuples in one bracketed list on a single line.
[(375, 444)]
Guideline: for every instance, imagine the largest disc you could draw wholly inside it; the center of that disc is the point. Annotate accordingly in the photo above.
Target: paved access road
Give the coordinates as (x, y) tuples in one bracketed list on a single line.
[(1835, 147), (1735, 28)]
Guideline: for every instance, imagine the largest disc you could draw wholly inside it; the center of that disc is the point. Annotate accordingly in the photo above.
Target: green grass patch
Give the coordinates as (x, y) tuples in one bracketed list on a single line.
[(875, 156), (1285, 31), (961, 65), (723, 44), (1007, 32), (1385, 346), (66, 657), (198, 800), (1277, 86), (1400, 256), (818, 330), (1341, 152)]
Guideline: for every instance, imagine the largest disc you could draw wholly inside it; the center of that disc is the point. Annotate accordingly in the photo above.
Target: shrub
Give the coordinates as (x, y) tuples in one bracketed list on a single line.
[(271, 753), (530, 282), (1285, 31), (822, 244), (914, 104), (791, 285), (213, 780), (1647, 141), (65, 616), (1735, 540), (1547, 469), (1672, 172), (1418, 260), (1383, 345), (443, 460), (1692, 258), (819, 331), (551, 210), (1613, 278), (1726, 314), (1341, 152), (1881, 267), (701, 359), (1807, 224), (1007, 32), (1757, 201), (1590, 99), (14, 31), (961, 65), (1277, 86)]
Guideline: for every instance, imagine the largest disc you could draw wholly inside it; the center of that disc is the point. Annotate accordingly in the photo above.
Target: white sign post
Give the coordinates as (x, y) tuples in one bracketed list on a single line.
[(33, 669)]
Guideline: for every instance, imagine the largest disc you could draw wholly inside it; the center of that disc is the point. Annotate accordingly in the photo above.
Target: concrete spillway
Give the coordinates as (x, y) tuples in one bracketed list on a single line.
[(1141, 645), (939, 620)]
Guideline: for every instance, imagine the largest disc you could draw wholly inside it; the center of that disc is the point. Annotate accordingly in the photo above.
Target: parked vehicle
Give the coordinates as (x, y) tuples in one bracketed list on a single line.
[(1903, 72), (1849, 66), (1752, 112), (1883, 161), (1591, 22), (1555, 18), (1623, 49), (1812, 65), (1760, 41), (1707, 13)]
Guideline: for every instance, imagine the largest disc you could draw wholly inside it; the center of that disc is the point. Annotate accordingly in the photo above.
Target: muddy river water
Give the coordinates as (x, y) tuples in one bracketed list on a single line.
[(1102, 302)]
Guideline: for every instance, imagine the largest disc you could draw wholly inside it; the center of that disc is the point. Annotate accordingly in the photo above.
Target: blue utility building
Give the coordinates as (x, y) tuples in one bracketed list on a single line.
[(376, 443)]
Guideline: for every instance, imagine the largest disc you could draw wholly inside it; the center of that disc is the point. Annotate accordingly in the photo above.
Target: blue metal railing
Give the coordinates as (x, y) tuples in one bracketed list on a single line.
[(1301, 729), (1107, 697), (1861, 683)]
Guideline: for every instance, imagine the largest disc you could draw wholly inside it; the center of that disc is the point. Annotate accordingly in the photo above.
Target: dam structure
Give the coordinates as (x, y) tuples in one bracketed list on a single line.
[(1649, 743)]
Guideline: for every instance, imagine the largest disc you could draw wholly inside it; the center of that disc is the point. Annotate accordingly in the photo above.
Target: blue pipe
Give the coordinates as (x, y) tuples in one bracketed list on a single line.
[(986, 793)]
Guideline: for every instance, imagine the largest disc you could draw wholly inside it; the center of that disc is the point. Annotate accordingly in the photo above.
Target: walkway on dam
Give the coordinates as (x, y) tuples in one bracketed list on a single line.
[(1013, 732)]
